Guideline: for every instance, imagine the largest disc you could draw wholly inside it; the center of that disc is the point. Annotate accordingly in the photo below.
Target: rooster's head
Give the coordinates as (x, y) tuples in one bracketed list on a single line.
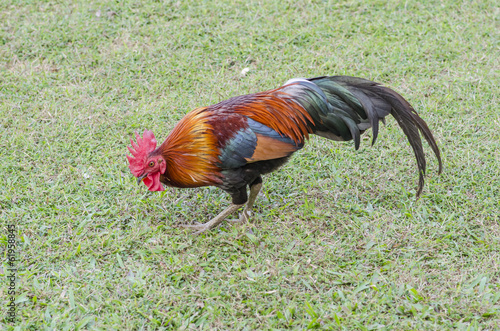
[(145, 164)]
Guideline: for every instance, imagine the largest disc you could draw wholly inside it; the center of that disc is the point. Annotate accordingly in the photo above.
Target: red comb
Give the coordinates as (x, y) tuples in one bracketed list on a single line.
[(140, 151)]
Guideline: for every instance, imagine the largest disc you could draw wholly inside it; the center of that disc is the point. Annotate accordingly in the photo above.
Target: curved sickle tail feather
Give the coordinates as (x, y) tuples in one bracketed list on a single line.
[(412, 125), (343, 107)]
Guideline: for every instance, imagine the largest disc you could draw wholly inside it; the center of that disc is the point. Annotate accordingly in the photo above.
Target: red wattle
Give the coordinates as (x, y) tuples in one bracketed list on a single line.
[(153, 183)]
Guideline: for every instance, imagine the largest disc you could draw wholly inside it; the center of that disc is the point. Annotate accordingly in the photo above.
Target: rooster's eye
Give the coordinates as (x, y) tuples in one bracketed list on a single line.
[(152, 163)]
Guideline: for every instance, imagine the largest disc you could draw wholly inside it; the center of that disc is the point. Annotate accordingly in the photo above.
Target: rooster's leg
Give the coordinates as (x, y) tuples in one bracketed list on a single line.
[(214, 221), (254, 191)]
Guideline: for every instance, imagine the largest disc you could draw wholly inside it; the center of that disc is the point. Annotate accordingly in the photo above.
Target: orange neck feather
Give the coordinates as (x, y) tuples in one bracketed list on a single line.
[(190, 152)]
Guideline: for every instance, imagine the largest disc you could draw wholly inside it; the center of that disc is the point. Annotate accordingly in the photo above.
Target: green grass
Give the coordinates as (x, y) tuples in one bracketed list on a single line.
[(337, 239)]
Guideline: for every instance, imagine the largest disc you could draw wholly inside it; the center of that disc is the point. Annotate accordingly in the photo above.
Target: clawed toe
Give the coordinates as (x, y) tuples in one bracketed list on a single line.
[(244, 218)]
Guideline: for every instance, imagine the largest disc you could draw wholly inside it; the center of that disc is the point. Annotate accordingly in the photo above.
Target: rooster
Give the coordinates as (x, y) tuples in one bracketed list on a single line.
[(231, 144)]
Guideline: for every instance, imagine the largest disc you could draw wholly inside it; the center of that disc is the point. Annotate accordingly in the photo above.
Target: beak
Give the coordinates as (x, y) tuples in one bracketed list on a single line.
[(140, 178)]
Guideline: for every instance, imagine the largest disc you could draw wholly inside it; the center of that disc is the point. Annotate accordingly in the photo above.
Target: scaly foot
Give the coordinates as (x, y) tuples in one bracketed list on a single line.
[(198, 226), (214, 221)]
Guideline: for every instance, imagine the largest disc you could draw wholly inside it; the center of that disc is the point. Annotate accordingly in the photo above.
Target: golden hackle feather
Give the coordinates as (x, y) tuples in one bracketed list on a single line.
[(191, 153)]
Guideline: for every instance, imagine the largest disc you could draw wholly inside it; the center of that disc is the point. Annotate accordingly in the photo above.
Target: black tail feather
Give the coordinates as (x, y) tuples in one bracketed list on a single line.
[(359, 103), (412, 125)]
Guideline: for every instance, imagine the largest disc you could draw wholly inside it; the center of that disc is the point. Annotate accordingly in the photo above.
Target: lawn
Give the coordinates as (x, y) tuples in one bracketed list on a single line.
[(337, 239)]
